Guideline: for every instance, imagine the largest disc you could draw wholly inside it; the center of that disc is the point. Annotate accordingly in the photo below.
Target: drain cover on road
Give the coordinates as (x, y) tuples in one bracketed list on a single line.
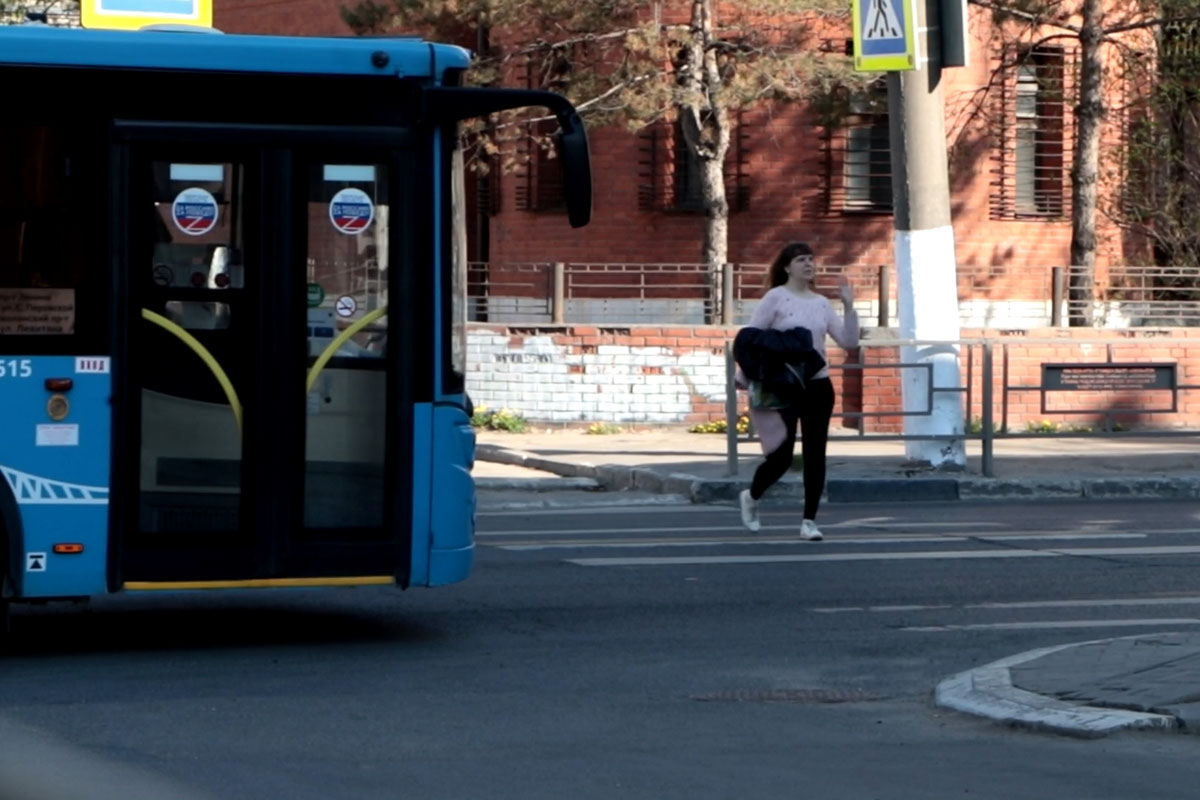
[(790, 696)]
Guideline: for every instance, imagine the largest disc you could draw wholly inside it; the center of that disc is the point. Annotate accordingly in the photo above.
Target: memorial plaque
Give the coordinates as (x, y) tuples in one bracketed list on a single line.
[(1108, 377)]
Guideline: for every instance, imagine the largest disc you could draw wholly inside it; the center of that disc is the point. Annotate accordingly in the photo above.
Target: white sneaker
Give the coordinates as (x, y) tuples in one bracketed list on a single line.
[(749, 510), (810, 532)]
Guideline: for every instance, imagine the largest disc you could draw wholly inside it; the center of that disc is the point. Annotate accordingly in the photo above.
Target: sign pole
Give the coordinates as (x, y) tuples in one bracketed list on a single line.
[(927, 285)]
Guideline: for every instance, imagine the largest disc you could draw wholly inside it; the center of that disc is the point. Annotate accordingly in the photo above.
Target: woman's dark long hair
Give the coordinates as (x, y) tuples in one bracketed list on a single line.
[(777, 275)]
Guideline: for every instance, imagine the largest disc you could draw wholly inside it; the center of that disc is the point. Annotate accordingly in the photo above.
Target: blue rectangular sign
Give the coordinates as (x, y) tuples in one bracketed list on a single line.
[(134, 14), (884, 35)]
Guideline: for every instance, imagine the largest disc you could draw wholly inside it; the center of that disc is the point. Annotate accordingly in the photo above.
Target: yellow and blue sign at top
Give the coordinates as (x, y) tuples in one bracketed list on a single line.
[(135, 14), (884, 35)]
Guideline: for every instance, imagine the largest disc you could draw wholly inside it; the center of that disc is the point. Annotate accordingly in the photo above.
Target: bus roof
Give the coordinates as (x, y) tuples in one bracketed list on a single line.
[(40, 45)]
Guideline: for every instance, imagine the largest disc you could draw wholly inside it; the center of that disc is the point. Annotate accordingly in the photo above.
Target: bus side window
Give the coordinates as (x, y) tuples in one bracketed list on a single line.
[(42, 239)]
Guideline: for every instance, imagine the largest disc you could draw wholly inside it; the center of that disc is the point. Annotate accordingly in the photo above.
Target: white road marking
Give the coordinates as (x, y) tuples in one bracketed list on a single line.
[(739, 531), (1027, 604), (1116, 601), (741, 541), (587, 544), (1069, 623), (657, 561)]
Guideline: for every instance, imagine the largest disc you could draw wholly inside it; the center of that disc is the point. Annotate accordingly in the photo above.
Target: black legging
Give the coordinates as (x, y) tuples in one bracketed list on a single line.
[(813, 414)]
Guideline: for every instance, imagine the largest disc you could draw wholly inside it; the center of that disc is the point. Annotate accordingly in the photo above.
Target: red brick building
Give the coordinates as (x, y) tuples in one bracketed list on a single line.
[(1009, 128)]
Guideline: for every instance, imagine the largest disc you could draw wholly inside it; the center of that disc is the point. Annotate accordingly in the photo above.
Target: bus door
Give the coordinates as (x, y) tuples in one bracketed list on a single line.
[(264, 433)]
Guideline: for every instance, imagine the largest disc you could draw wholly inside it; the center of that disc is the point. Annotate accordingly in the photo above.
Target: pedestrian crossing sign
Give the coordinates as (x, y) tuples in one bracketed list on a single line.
[(134, 14), (884, 35)]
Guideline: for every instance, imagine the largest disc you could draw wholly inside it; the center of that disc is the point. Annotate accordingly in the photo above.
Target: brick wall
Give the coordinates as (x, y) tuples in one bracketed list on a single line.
[(285, 17), (659, 375)]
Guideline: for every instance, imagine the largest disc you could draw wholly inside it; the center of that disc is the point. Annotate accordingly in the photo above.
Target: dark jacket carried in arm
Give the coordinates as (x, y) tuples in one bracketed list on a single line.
[(783, 361)]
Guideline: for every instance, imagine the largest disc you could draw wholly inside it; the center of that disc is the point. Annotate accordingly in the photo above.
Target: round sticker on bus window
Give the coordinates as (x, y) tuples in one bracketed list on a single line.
[(194, 211), (351, 211)]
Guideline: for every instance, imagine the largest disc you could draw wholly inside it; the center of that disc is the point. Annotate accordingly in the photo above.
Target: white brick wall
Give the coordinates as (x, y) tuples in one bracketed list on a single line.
[(550, 382)]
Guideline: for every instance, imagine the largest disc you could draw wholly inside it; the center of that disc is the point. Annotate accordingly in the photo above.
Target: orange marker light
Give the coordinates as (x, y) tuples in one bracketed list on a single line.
[(59, 384), (68, 548)]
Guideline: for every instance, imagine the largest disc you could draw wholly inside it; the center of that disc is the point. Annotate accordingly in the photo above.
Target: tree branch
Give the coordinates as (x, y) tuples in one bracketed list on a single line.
[(1149, 23), (587, 38), (1025, 15)]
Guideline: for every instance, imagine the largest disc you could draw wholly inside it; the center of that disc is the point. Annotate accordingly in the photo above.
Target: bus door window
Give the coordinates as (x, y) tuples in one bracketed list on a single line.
[(197, 226), (348, 215), (195, 378)]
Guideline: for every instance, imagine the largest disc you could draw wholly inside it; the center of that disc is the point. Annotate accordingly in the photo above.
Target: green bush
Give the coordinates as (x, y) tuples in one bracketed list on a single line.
[(976, 426), (504, 419), (603, 428), (720, 426)]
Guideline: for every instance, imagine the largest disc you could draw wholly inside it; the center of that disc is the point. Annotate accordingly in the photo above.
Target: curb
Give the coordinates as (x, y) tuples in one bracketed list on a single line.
[(618, 477), (574, 503), (539, 484), (988, 692)]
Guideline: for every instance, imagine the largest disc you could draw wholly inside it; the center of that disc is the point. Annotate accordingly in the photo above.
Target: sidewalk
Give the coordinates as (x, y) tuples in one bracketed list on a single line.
[(694, 466), (1087, 689)]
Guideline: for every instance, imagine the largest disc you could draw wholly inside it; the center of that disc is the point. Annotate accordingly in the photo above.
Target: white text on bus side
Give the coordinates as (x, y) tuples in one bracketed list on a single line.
[(14, 368)]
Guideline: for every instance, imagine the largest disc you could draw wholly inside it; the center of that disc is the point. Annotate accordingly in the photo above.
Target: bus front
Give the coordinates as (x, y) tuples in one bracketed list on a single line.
[(232, 333)]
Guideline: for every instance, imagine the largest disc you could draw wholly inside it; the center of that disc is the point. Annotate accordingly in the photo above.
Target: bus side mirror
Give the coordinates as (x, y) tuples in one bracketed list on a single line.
[(577, 169), (439, 103)]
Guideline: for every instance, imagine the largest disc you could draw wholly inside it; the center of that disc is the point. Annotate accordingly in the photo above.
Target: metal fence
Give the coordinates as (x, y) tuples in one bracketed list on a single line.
[(1110, 382), (689, 293), (1134, 296)]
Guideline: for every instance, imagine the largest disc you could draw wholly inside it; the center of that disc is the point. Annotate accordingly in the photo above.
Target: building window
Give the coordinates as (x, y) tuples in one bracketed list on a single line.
[(858, 153), (540, 185), (669, 172), (686, 181), (1032, 152), (867, 169)]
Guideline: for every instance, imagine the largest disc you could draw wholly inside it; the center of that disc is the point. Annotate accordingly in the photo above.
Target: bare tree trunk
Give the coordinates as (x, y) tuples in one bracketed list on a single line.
[(1089, 119), (705, 125)]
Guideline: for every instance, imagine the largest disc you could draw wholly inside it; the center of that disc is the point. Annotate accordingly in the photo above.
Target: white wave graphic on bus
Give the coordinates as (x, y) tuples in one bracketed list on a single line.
[(36, 490)]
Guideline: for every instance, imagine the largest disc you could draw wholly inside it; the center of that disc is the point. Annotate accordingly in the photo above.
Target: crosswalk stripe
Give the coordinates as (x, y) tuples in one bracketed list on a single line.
[(593, 544), (652, 561), (1050, 624), (834, 532), (1111, 602)]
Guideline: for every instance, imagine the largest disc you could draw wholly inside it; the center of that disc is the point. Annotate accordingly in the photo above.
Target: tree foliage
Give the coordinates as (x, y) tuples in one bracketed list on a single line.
[(1131, 91), (14, 12), (1160, 200), (637, 62)]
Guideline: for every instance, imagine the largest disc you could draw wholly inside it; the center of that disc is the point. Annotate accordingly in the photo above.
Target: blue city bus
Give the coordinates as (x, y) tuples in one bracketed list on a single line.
[(232, 310)]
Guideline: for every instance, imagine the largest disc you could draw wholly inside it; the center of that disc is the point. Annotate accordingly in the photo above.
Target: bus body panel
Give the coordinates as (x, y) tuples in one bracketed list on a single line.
[(453, 506), (58, 469), (226, 52), (422, 526)]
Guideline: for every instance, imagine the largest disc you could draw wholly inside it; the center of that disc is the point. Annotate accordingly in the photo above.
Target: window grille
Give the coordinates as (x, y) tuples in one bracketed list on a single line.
[(858, 156), (669, 173), (1030, 130)]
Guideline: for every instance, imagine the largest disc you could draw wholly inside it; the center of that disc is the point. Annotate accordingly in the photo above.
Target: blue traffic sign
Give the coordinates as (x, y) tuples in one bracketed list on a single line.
[(884, 35), (134, 14)]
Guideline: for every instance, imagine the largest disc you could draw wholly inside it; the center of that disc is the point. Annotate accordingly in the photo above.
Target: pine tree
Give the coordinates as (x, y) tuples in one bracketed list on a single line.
[(638, 62)]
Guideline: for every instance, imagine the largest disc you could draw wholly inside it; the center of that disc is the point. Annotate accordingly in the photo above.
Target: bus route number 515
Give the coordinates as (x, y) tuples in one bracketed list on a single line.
[(16, 368)]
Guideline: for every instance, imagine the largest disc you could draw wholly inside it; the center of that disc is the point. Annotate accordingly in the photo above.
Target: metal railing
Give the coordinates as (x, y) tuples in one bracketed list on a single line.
[(1131, 296), (979, 356), (690, 293), (684, 293)]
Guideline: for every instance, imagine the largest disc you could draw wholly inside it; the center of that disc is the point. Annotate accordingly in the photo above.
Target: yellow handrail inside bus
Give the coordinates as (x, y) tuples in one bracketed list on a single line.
[(205, 356), (337, 343)]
